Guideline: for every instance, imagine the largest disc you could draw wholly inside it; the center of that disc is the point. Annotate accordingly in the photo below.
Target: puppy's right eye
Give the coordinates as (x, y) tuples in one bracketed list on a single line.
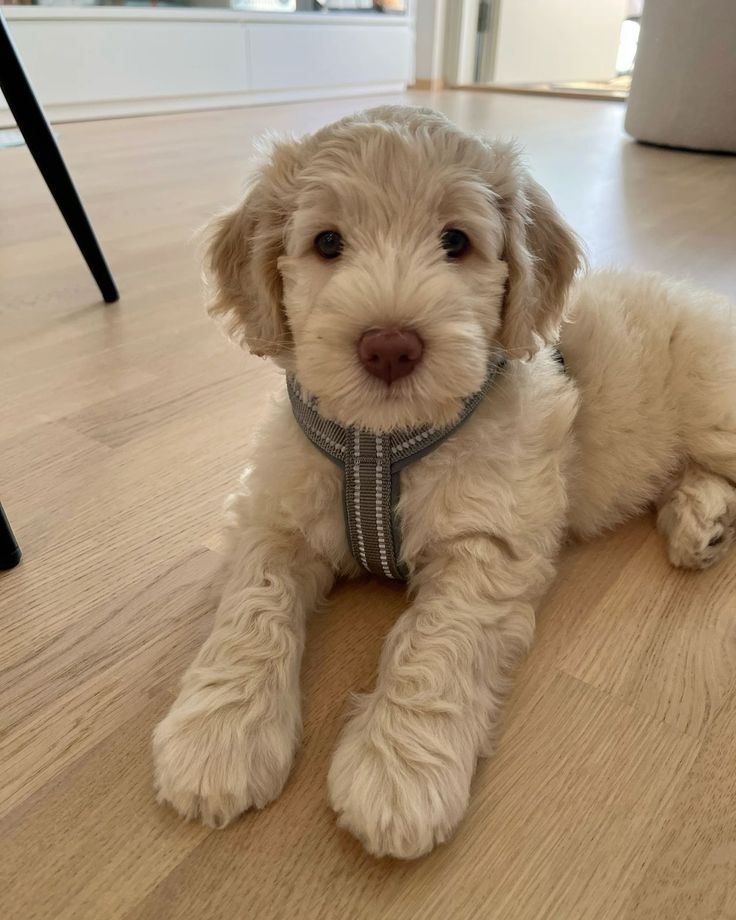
[(455, 243), (328, 244)]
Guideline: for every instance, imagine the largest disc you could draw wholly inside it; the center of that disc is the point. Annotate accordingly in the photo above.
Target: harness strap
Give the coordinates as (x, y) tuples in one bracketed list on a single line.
[(370, 504), (371, 464)]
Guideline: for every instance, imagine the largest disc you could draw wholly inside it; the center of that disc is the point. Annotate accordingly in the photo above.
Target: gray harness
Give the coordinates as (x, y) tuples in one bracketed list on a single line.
[(371, 464)]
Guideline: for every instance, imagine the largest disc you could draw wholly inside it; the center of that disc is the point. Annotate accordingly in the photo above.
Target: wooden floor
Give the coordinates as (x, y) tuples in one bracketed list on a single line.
[(613, 794)]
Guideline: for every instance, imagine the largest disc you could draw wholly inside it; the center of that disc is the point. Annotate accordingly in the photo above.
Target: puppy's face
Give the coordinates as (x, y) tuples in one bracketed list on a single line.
[(388, 237), (386, 260)]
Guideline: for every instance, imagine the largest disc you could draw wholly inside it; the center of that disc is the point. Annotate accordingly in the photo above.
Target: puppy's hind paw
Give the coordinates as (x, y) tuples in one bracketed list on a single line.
[(699, 521)]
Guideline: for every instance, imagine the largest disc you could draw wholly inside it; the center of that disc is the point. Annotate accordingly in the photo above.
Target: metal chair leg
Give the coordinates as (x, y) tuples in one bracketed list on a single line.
[(41, 143), (9, 549)]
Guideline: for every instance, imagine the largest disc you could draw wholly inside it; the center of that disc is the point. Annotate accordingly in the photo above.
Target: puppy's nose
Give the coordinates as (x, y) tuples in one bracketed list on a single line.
[(390, 353)]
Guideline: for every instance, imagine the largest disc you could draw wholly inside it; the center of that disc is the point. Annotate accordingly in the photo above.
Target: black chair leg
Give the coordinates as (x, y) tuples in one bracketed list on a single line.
[(9, 549), (32, 123)]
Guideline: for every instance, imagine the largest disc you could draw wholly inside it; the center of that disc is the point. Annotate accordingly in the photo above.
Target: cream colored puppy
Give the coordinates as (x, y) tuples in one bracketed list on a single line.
[(397, 220)]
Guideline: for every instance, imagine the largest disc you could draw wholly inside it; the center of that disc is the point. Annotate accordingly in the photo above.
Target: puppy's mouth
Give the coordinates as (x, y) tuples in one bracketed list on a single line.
[(411, 401), (392, 378)]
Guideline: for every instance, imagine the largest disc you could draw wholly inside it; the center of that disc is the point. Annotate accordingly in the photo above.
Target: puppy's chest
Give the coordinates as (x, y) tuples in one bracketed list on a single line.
[(464, 487), (369, 522), (502, 472)]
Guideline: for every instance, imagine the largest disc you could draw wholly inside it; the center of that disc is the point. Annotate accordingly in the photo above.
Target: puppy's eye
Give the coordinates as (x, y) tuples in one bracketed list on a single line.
[(328, 244), (455, 243)]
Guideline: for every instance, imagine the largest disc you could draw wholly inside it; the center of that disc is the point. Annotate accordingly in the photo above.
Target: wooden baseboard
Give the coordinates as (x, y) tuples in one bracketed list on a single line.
[(542, 90), (432, 85), (59, 113)]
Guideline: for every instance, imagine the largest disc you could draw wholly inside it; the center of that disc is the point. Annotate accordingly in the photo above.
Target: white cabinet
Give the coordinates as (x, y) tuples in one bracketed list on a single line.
[(107, 61)]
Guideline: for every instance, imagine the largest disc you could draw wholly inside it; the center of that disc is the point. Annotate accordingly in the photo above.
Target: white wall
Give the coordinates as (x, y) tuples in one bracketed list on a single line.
[(106, 61), (543, 40), (429, 27), (425, 28)]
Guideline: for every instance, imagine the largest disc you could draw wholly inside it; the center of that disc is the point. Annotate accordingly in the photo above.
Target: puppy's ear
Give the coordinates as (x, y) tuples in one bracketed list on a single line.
[(542, 254), (243, 251)]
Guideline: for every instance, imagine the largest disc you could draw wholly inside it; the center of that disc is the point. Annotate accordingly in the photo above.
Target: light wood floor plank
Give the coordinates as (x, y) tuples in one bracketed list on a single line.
[(92, 835), (98, 670), (693, 873), (675, 644)]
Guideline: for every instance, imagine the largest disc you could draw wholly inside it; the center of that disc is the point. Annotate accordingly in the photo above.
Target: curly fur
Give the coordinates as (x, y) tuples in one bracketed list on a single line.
[(646, 414)]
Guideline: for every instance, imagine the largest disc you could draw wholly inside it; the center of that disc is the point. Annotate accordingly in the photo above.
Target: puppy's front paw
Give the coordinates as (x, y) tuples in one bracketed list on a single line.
[(395, 782), (215, 764)]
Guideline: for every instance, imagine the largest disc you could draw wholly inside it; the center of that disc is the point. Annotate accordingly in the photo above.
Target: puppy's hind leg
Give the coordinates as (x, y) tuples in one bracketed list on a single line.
[(698, 518), (714, 447), (698, 515), (702, 379)]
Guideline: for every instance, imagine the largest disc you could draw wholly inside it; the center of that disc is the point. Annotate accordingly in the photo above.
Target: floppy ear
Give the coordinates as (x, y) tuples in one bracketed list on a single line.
[(542, 254), (241, 262)]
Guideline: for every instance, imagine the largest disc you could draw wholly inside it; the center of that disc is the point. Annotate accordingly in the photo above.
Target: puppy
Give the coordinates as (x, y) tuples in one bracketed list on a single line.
[(395, 223)]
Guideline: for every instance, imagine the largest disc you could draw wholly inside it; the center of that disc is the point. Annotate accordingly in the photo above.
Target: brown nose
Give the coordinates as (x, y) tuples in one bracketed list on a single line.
[(390, 353)]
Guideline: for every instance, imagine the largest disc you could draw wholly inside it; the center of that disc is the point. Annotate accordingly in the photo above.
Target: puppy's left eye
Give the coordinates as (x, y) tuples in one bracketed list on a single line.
[(455, 243), (328, 244)]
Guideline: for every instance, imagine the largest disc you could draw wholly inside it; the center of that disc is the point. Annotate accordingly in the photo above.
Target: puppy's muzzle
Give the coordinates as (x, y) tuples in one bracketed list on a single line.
[(390, 353)]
